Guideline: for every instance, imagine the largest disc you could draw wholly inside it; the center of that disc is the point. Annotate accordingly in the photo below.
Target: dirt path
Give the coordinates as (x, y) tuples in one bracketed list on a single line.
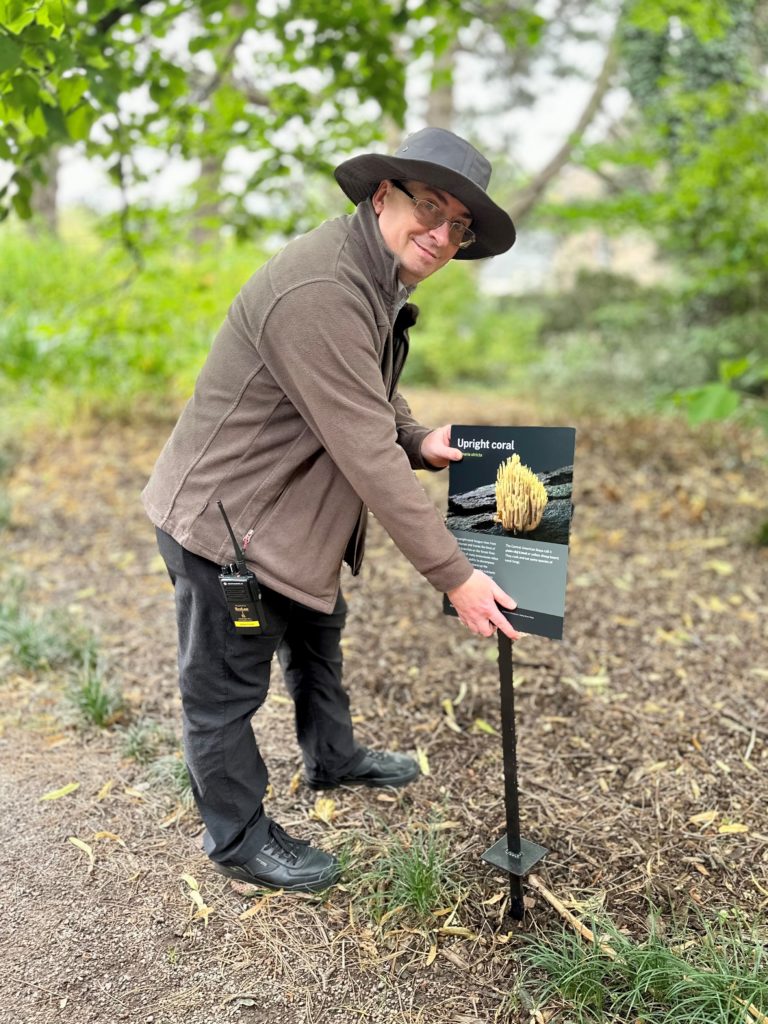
[(642, 747)]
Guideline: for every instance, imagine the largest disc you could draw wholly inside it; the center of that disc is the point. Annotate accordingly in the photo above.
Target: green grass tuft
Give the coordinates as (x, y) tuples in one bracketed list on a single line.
[(95, 698), (141, 741), (41, 640), (706, 976), (171, 774), (416, 876)]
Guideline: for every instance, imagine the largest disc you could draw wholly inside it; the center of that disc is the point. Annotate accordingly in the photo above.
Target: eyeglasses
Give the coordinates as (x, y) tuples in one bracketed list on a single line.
[(430, 215)]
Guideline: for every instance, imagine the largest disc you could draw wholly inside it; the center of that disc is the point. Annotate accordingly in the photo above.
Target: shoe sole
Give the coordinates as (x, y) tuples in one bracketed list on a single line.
[(241, 875), (397, 783)]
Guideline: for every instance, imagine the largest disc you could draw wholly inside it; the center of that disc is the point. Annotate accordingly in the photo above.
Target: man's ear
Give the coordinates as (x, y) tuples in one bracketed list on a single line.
[(378, 196)]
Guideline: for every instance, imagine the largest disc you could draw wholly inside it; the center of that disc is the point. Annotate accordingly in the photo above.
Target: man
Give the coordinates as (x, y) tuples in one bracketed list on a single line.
[(297, 426)]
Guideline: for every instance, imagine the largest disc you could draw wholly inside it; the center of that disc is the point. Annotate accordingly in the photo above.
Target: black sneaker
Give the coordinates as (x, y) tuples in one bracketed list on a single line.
[(285, 863), (378, 768)]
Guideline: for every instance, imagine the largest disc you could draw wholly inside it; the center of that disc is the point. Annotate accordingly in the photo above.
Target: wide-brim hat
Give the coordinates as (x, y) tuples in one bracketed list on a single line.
[(442, 159)]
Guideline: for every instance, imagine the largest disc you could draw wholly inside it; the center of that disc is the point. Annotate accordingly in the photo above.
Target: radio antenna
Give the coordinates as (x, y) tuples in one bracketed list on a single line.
[(239, 553)]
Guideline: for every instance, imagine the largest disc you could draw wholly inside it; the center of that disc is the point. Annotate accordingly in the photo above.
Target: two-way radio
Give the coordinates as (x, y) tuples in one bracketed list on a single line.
[(241, 589)]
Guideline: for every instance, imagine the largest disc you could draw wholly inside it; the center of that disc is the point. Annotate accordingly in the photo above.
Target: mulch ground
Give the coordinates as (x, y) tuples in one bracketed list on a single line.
[(642, 749)]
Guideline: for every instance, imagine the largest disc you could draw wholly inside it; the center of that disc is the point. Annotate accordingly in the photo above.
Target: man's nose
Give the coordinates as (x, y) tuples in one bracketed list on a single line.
[(441, 233)]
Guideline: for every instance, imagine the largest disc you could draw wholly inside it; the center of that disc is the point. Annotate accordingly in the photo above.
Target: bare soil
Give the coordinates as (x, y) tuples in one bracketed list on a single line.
[(642, 749)]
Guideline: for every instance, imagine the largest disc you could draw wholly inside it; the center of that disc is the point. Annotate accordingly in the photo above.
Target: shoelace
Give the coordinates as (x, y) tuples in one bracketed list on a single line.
[(280, 841)]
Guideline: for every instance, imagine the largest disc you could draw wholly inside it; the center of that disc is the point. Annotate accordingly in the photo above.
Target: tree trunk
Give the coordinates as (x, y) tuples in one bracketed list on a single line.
[(440, 104), (207, 211), (527, 197), (44, 202)]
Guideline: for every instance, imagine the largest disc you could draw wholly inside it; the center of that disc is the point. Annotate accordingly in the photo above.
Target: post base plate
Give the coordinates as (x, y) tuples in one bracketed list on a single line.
[(500, 857)]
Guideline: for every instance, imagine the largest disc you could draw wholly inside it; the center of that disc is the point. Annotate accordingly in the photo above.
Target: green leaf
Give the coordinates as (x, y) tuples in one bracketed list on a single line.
[(71, 91), (730, 369), (55, 13), (24, 94), (36, 123), (16, 15), (79, 122), (10, 52), (21, 206), (711, 402), (98, 62)]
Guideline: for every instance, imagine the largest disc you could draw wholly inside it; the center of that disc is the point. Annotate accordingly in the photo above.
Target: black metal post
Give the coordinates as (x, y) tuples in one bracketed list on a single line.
[(512, 853), (509, 748)]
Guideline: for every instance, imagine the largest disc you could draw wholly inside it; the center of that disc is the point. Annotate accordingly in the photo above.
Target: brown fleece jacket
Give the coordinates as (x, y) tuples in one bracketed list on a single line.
[(296, 425)]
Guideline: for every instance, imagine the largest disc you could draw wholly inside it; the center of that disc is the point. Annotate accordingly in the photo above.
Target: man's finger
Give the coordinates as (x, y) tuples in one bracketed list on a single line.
[(504, 599), (504, 625)]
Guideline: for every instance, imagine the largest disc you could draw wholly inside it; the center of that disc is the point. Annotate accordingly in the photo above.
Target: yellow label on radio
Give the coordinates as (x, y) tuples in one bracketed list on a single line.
[(247, 622)]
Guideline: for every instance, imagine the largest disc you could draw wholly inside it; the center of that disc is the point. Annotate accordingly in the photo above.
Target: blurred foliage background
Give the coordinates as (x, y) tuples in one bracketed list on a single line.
[(108, 311)]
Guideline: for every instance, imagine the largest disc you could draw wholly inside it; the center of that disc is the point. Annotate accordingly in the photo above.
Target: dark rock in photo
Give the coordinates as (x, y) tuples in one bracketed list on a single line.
[(475, 510)]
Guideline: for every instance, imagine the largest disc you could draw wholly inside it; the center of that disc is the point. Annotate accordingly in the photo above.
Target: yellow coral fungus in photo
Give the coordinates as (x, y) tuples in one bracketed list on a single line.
[(520, 496)]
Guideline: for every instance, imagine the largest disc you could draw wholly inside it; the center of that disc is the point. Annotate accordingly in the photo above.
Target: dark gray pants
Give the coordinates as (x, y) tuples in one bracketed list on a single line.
[(224, 679)]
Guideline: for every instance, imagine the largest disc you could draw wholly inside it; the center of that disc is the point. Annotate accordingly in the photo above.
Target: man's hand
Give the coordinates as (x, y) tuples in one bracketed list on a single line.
[(476, 602), (436, 448)]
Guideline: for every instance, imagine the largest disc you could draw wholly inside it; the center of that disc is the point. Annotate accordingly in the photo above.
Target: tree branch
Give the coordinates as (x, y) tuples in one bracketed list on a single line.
[(527, 197), (105, 24)]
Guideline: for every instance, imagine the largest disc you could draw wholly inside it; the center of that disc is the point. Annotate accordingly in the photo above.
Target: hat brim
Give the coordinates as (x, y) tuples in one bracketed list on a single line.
[(360, 176)]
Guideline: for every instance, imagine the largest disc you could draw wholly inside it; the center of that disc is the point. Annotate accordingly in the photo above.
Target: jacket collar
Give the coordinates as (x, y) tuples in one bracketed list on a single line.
[(382, 263)]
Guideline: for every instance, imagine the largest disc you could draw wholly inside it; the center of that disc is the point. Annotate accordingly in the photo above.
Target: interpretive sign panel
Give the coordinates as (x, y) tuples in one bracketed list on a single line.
[(509, 507)]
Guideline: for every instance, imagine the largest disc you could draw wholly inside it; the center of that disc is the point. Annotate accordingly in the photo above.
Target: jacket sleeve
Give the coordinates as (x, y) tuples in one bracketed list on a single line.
[(410, 433), (319, 342)]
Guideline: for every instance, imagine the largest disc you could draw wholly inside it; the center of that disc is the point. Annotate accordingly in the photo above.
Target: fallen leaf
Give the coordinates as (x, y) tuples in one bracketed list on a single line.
[(431, 955), (56, 794), (460, 695), (175, 816), (624, 620), (710, 543), (109, 835), (293, 785), (390, 914), (734, 828), (86, 850), (481, 725), (255, 909), (105, 789), (423, 761), (494, 899), (455, 930), (597, 682), (203, 911), (203, 914), (719, 567), (59, 740), (450, 715), (324, 809), (703, 818)]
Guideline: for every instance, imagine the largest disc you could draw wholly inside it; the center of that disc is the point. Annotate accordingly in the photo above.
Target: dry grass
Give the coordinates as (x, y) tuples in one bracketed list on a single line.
[(642, 748)]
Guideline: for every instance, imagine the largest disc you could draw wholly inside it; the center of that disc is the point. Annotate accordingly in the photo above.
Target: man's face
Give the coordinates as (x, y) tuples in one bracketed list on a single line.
[(421, 250)]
